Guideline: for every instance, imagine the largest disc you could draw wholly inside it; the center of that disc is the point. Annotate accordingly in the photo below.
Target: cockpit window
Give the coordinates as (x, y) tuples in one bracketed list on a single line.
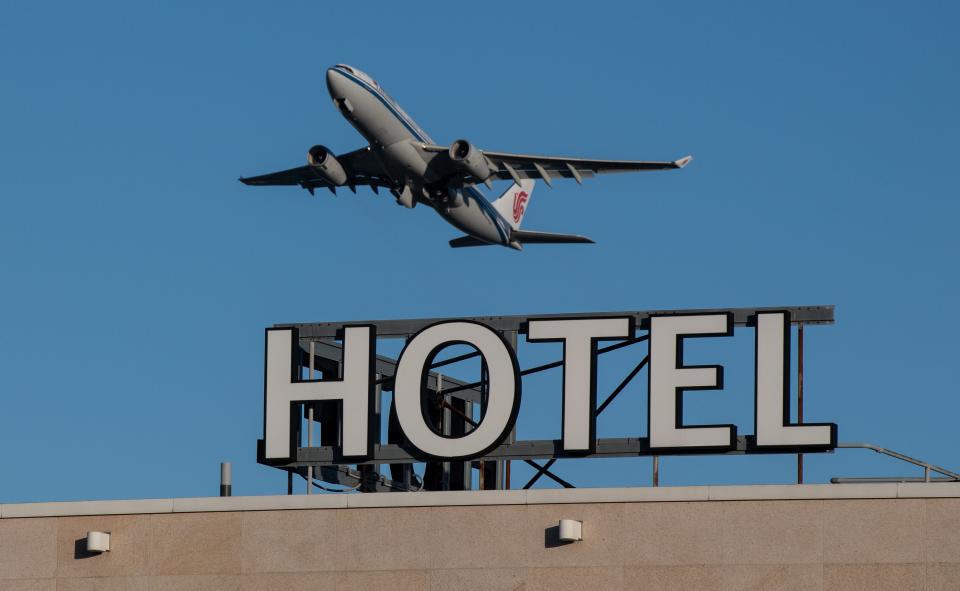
[(361, 75), (365, 77)]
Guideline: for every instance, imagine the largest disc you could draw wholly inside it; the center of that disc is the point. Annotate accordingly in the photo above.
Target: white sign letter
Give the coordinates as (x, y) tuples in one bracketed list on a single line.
[(283, 386), (579, 337), (503, 401), (668, 378), (772, 394)]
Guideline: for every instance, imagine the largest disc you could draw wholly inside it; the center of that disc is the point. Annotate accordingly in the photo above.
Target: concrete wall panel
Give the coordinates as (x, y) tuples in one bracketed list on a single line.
[(814, 543), (289, 542), (676, 577), (943, 577), (772, 577), (397, 580), (28, 548), (773, 532), (320, 581), (941, 530), (477, 579), (28, 584), (574, 579), (195, 543), (488, 536), (873, 531), (873, 577), (195, 583), (104, 584), (403, 539), (673, 533)]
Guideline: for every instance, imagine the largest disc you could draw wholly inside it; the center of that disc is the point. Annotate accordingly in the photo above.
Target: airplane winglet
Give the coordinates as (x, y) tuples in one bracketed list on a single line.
[(683, 161)]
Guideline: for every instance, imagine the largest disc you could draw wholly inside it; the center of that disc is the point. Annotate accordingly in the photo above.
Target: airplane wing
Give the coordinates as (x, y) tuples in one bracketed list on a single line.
[(293, 176), (361, 166), (527, 166)]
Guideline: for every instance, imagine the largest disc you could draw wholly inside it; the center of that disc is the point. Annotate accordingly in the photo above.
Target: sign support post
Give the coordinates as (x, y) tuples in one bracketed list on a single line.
[(800, 395)]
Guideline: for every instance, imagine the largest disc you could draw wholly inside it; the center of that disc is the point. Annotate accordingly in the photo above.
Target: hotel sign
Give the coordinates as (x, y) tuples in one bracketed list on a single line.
[(354, 389)]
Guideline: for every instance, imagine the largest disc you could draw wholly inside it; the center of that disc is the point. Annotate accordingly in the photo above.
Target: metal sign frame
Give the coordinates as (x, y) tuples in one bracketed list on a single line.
[(321, 353)]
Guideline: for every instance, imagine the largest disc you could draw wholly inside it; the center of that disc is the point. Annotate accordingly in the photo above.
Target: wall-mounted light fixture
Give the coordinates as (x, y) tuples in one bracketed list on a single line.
[(571, 530), (98, 541)]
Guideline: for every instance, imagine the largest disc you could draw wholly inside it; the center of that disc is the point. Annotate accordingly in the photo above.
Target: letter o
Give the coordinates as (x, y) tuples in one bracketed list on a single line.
[(503, 401)]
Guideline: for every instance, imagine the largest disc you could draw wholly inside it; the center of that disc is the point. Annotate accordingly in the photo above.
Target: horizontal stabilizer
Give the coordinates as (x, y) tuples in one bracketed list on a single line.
[(518, 237), (529, 237), (467, 241)]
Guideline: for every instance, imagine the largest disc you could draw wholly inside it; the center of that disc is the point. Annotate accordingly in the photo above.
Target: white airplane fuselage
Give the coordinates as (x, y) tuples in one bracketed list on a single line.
[(398, 142)]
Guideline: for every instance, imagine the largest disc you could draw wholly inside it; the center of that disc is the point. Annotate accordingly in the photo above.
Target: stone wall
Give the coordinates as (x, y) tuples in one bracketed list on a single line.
[(815, 542)]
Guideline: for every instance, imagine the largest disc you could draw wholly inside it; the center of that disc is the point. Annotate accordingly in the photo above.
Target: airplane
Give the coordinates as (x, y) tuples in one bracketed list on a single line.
[(403, 159)]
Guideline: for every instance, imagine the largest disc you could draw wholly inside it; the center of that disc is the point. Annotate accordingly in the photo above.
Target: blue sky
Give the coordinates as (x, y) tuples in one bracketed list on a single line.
[(138, 274)]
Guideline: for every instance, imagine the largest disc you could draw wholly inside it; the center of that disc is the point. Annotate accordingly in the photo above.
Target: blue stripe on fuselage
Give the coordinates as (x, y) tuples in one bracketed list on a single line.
[(492, 213), (422, 136), (411, 126)]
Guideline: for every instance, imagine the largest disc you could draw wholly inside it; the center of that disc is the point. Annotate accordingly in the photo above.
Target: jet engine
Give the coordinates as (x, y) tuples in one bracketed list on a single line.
[(470, 160), (325, 163)]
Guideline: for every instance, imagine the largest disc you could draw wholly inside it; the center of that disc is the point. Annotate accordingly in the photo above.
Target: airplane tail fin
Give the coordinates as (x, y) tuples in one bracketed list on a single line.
[(513, 203)]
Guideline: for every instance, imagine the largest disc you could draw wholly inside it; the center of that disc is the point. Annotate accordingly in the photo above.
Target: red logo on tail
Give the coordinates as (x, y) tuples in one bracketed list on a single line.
[(519, 204)]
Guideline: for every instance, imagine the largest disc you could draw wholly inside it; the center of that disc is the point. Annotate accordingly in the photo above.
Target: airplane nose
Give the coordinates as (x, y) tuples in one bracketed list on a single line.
[(334, 83)]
